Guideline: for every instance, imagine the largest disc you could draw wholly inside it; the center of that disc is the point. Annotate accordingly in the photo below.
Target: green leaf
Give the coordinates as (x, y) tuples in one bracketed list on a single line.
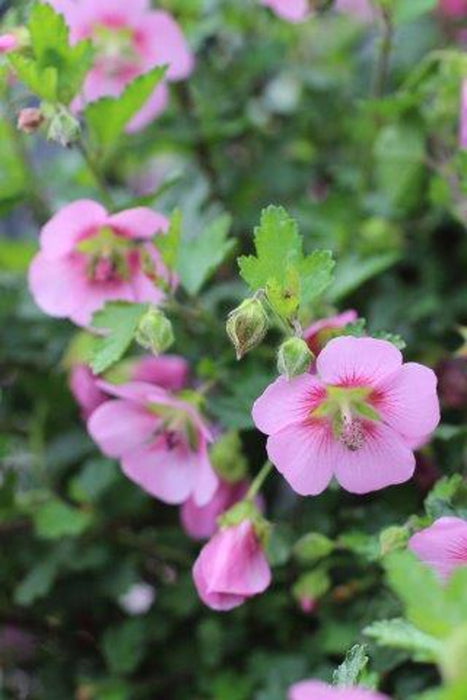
[(288, 276), (123, 646), (107, 118), (37, 582), (120, 320), (56, 519), (312, 547), (353, 271), (412, 10), (40, 81), (448, 497), (94, 479), (400, 634), (199, 257), (169, 244), (351, 669), (313, 584), (16, 255)]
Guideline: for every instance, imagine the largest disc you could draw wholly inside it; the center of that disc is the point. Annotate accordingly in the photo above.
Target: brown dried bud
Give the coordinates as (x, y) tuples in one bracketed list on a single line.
[(30, 119)]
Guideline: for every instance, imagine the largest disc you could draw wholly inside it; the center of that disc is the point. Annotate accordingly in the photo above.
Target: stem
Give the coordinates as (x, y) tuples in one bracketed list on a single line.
[(382, 64), (97, 175), (259, 480)]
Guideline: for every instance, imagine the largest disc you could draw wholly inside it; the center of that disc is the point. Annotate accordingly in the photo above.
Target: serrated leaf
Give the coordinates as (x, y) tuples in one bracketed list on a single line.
[(107, 117), (56, 519), (40, 81), (350, 670), (120, 321), (400, 634), (315, 274), (199, 257)]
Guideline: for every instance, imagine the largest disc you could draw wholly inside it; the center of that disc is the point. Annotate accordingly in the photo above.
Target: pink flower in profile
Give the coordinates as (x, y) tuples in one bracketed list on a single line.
[(442, 546), (129, 38), (88, 257), (167, 371), (360, 9), (231, 567), (8, 42), (160, 440), (316, 690), (318, 334), (200, 522), (290, 10), (356, 419)]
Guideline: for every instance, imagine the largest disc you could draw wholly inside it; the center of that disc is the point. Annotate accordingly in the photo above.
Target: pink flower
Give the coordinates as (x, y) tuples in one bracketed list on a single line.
[(290, 10), (88, 257), (318, 334), (456, 9), (160, 440), (463, 117), (130, 38), (356, 418), (168, 371), (231, 567), (442, 546), (316, 690), (360, 9), (8, 42), (200, 522)]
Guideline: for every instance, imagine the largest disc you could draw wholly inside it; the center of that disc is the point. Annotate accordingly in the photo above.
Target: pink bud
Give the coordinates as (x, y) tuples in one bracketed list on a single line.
[(231, 567), (30, 119), (8, 42), (308, 605)]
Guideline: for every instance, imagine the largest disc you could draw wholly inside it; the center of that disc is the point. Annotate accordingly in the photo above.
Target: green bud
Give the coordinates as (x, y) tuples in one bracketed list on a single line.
[(155, 331), (294, 357), (246, 510), (227, 457), (312, 585), (63, 127), (312, 547), (247, 326)]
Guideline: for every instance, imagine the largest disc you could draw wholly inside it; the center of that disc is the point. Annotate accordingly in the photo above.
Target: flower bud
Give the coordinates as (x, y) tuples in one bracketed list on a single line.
[(227, 457), (30, 119), (155, 332), (246, 326), (63, 127), (294, 357)]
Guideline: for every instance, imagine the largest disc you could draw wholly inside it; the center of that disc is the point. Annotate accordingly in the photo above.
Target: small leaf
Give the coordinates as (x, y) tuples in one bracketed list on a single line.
[(199, 257), (120, 320), (351, 669), (410, 11), (400, 634), (312, 547), (37, 582), (123, 646), (94, 479), (107, 118), (56, 519), (169, 244)]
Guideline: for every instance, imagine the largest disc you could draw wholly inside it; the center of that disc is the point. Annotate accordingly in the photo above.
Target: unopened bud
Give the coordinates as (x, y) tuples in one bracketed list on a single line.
[(227, 457), (246, 326), (63, 126), (30, 119), (155, 332), (294, 357)]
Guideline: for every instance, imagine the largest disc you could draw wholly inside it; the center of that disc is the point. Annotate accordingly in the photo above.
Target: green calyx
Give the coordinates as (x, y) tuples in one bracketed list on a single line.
[(246, 510), (107, 255)]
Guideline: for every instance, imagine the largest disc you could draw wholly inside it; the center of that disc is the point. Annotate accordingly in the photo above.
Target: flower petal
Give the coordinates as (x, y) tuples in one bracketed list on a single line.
[(215, 601), (57, 286), (170, 46), (118, 426), (357, 361), (408, 401), (305, 455), (60, 235), (286, 402), (154, 105), (316, 690), (139, 222), (442, 546), (384, 460)]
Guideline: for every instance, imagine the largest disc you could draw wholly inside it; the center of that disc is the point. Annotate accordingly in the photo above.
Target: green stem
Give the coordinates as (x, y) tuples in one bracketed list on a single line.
[(259, 480), (97, 175), (382, 63)]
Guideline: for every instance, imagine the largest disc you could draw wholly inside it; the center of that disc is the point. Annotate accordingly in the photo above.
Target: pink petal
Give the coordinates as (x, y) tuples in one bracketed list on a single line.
[(290, 10), (139, 222), (139, 392), (168, 371), (360, 9), (384, 460), (170, 46), (151, 109), (357, 361), (216, 601), (57, 286), (118, 426), (167, 474), (200, 522), (83, 386), (286, 402), (337, 321), (60, 235), (316, 690), (408, 402), (206, 480), (442, 546), (305, 455)]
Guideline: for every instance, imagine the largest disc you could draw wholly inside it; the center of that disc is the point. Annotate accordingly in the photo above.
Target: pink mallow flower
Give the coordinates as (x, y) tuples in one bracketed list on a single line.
[(8, 42), (356, 419), (320, 332), (167, 371), (200, 522), (231, 567), (316, 690), (290, 10), (442, 546), (160, 440), (88, 257), (129, 39)]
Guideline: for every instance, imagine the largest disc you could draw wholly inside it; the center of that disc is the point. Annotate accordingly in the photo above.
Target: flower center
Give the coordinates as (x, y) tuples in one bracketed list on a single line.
[(108, 256), (177, 428), (116, 55), (347, 408)]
